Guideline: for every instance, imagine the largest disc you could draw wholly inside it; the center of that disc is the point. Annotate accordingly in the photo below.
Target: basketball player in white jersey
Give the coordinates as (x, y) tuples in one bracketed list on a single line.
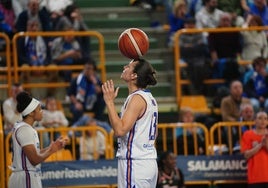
[(136, 129), (27, 155)]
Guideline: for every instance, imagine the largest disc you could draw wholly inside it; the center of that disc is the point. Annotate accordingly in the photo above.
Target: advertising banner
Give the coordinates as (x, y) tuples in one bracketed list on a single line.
[(194, 168)]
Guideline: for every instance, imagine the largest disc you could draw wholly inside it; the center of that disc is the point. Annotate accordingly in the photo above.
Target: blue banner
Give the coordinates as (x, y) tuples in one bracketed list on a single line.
[(211, 168), (194, 168)]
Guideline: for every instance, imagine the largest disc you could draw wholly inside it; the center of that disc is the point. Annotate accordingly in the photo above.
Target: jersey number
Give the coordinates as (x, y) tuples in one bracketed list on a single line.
[(152, 133)]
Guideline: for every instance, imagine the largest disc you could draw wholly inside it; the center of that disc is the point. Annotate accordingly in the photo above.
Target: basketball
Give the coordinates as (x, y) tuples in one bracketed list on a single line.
[(133, 43)]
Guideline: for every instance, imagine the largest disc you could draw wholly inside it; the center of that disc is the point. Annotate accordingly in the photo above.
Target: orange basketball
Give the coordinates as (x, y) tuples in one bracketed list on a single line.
[(133, 43)]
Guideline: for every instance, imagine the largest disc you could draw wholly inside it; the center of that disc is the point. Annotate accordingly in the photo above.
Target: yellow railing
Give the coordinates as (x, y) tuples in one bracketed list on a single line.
[(7, 69), (177, 56), (164, 130), (216, 132), (18, 69)]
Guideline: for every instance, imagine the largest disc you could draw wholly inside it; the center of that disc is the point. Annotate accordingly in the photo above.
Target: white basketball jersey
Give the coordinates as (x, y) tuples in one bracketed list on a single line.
[(24, 134), (139, 141)]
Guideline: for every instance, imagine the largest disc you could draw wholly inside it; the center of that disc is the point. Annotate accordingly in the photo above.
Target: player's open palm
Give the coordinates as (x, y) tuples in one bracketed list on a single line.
[(109, 92)]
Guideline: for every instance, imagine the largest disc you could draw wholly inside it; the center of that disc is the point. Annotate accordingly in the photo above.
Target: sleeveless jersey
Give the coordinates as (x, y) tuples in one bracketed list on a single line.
[(139, 142), (24, 134)]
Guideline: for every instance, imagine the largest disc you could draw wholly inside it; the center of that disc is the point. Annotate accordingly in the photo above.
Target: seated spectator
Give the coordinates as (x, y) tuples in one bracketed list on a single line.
[(209, 15), (66, 51), (187, 116), (194, 53), (235, 11), (193, 7), (56, 9), (169, 175), (92, 145), (230, 110), (260, 8), (72, 18), (33, 51), (245, 5), (19, 6), (53, 117), (33, 11), (10, 113), (225, 48), (230, 105), (257, 87), (254, 42), (246, 115), (85, 93), (8, 17), (176, 20)]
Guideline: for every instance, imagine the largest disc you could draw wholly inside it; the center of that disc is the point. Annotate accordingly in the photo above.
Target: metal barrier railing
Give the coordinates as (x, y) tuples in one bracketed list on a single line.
[(18, 69), (177, 56), (224, 132), (7, 69), (167, 132)]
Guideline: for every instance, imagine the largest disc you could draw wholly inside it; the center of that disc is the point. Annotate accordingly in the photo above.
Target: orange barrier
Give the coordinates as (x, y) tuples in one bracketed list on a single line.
[(167, 134), (2, 156), (216, 134), (18, 69), (7, 69), (177, 57)]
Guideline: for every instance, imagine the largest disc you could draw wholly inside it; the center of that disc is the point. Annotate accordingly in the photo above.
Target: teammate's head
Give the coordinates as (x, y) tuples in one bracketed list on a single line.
[(27, 104), (167, 160)]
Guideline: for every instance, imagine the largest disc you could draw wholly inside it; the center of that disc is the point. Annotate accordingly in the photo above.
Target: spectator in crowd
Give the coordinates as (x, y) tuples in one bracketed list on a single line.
[(19, 6), (33, 51), (255, 151), (230, 111), (191, 132), (72, 18), (224, 49), (85, 93), (92, 145), (8, 16), (234, 9), (6, 29), (194, 52), (246, 115), (52, 116), (257, 87), (209, 15), (176, 20), (230, 105), (66, 50), (254, 42), (56, 9), (33, 11), (245, 5), (193, 7), (260, 8), (169, 175), (10, 113)]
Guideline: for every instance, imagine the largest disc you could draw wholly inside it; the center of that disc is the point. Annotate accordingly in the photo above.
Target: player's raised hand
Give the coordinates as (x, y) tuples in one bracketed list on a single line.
[(109, 92)]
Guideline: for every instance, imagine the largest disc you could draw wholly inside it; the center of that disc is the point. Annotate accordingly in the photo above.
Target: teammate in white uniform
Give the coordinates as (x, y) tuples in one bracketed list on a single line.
[(136, 129), (27, 155)]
